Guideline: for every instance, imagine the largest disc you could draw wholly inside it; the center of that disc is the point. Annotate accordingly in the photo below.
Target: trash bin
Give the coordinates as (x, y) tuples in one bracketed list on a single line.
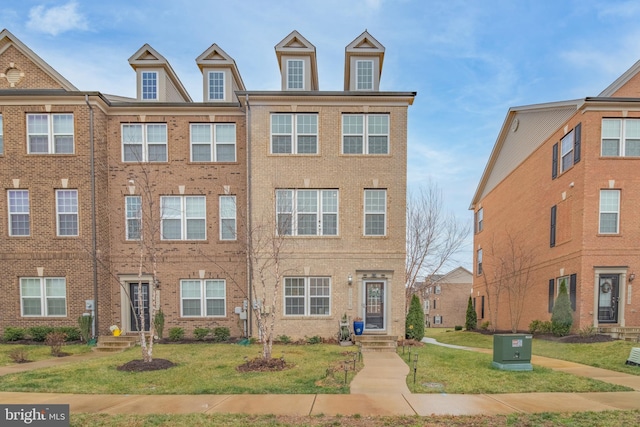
[(512, 352)]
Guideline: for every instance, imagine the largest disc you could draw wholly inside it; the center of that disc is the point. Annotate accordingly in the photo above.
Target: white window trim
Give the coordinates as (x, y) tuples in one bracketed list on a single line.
[(437, 320), (210, 87), (294, 133), (142, 85), (621, 137), (365, 134), (319, 211), (51, 134), (479, 220), (145, 143), (137, 217), (358, 81), (479, 262), (617, 212), (437, 289), (43, 298), (289, 61), (570, 138), (76, 213), (183, 218), (203, 298), (382, 212), (234, 218), (1, 136), (28, 212), (307, 296), (213, 143)]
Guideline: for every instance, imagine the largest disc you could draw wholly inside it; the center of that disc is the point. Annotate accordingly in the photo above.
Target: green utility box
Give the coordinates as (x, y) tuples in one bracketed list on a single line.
[(512, 352)]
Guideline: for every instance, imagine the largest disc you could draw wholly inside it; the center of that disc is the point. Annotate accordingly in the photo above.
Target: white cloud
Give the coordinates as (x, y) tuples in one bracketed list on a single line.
[(56, 20)]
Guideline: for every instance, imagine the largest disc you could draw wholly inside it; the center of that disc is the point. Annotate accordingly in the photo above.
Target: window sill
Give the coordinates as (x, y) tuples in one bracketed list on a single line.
[(609, 235), (204, 163)]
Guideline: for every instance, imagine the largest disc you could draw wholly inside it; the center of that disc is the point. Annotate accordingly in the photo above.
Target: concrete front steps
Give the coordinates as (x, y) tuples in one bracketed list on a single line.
[(621, 332), (111, 344), (377, 343)]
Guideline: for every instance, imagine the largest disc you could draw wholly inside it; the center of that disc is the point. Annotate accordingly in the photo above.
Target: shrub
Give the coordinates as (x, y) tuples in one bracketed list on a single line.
[(414, 324), (158, 323), (201, 333), (471, 322), (457, 327), (39, 333), (562, 315), (18, 355), (85, 323), (221, 334), (284, 339), (55, 340), (72, 333), (587, 331), (485, 325), (314, 340), (176, 334), (13, 334)]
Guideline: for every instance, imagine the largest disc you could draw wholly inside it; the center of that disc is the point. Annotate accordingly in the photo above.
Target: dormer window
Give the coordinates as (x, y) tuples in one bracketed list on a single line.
[(150, 85), (216, 85), (295, 74), (364, 75)]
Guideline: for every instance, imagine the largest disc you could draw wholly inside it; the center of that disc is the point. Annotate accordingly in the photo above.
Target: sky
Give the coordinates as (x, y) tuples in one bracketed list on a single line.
[(468, 60)]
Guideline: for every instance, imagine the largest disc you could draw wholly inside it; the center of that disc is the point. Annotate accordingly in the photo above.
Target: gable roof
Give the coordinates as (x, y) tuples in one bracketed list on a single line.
[(147, 56), (296, 45), (7, 39), (215, 57), (363, 45), (621, 81), (457, 275)]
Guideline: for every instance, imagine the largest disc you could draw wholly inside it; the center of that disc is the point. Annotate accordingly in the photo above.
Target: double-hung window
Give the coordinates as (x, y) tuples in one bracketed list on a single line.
[(364, 75), (183, 217), (437, 320), (203, 298), (621, 137), (67, 212), (216, 85), (144, 142), (295, 74), (609, 211), (19, 215), (1, 137), (365, 134), (294, 133), (375, 212), (213, 142), (228, 218), (43, 296), (50, 133), (479, 262), (149, 85), (479, 219), (133, 207), (566, 145), (307, 296), (307, 212)]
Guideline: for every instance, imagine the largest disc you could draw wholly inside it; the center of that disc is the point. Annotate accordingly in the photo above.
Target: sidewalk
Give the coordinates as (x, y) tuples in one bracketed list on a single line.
[(379, 389)]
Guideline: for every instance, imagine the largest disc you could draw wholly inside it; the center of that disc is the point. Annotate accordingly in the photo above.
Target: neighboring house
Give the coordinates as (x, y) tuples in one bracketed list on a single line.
[(563, 183), (330, 165), (445, 298)]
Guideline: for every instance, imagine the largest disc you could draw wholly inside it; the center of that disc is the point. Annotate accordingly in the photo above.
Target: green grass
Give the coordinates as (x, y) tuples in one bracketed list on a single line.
[(582, 419), (37, 352), (466, 372), (610, 355), (201, 369)]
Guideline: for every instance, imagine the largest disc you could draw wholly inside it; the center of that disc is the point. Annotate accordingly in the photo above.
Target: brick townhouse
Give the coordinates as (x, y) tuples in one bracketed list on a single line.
[(189, 177), (562, 184), (445, 298)]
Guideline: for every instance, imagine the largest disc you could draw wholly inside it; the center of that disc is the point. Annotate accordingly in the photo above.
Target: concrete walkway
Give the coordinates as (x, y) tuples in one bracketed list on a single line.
[(379, 389)]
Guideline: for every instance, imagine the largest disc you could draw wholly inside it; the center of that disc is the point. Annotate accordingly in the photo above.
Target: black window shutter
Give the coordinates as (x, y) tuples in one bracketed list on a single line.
[(572, 291), (482, 308), (554, 162), (552, 237), (551, 294), (576, 143)]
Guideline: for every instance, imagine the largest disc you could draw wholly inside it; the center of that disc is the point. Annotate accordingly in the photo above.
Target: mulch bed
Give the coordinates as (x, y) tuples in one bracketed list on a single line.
[(142, 366), (264, 365)]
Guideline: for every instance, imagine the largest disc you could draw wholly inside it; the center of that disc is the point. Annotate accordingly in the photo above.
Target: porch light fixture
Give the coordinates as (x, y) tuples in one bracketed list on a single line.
[(632, 276), (350, 280)]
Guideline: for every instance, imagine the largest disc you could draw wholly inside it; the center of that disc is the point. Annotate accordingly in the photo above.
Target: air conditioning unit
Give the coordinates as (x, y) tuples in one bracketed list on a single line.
[(634, 357)]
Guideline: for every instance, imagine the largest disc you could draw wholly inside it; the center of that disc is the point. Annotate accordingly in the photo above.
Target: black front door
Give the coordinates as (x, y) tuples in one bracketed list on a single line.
[(135, 310), (374, 312), (608, 297)]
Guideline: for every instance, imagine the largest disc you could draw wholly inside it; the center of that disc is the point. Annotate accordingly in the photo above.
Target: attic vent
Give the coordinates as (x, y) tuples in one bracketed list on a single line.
[(13, 76), (634, 357)]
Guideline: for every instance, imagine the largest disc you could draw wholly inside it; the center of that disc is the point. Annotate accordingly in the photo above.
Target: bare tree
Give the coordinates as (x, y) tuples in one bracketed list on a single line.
[(434, 237)]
